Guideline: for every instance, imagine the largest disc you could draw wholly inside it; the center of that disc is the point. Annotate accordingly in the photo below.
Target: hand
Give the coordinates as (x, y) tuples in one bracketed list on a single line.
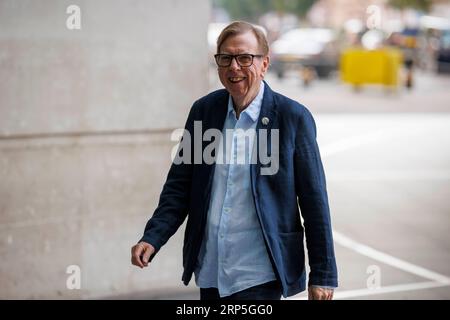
[(318, 293), (144, 250)]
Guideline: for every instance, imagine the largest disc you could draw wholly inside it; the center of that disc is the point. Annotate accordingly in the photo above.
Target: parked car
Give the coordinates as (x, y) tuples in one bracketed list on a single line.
[(443, 56), (314, 48)]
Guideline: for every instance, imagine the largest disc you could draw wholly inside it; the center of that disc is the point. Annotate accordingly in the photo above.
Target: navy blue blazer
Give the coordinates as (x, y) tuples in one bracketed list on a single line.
[(300, 181)]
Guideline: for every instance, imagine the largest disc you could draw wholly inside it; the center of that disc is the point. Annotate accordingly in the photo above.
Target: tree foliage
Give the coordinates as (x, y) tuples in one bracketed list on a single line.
[(252, 9), (414, 4)]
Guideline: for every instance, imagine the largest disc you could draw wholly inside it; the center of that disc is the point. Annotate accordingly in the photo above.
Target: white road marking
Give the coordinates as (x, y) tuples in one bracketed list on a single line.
[(388, 289), (388, 259), (345, 241), (389, 175), (438, 280)]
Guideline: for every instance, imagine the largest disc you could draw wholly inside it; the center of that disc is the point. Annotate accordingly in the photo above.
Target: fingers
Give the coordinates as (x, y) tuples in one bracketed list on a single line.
[(136, 252), (317, 293), (330, 296), (141, 253), (148, 251)]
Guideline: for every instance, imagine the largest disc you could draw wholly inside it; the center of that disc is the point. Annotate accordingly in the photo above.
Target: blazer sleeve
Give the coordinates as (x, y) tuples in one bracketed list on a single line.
[(313, 201), (174, 200)]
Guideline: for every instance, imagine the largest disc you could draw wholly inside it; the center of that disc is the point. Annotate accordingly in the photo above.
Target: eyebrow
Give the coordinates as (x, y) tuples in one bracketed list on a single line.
[(232, 54)]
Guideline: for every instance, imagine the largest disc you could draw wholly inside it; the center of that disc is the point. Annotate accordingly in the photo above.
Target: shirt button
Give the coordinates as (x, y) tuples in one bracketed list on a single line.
[(221, 235), (227, 210)]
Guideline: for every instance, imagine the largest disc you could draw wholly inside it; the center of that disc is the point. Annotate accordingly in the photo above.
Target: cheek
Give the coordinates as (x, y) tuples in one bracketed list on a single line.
[(252, 76), (222, 77), (260, 71)]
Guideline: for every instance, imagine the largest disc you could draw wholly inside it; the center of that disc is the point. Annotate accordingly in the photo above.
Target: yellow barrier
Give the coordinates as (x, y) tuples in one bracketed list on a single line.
[(360, 66)]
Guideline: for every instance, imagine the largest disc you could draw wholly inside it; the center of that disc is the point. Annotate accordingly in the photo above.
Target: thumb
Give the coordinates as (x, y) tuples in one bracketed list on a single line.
[(148, 251)]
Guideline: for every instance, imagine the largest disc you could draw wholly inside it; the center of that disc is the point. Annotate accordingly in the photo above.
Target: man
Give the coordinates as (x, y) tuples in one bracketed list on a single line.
[(244, 236)]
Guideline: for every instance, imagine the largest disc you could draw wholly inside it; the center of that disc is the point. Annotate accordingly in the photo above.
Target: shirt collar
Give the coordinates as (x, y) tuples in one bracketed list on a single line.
[(254, 108)]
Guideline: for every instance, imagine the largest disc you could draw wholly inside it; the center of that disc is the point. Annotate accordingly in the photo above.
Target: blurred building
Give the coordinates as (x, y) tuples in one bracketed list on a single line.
[(335, 13), (441, 8)]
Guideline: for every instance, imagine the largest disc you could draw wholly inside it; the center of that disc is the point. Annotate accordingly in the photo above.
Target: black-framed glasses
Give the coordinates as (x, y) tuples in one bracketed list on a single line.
[(243, 60)]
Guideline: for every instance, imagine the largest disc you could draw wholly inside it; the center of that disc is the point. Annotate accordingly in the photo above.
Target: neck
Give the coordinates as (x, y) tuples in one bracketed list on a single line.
[(240, 103)]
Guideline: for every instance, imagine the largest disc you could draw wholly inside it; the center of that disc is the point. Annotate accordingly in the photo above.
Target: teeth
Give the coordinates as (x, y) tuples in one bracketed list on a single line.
[(236, 79)]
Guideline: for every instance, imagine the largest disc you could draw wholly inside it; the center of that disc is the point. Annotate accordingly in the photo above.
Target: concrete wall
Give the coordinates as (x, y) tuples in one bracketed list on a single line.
[(86, 117)]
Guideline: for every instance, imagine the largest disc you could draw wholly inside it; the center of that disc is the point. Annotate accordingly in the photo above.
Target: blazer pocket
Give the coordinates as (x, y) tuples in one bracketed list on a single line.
[(291, 245)]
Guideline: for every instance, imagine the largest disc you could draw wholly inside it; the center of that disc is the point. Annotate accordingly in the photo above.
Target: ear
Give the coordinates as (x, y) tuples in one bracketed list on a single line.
[(265, 65)]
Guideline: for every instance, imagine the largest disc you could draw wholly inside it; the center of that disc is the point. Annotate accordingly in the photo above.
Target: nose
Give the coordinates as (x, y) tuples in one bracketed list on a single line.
[(234, 64)]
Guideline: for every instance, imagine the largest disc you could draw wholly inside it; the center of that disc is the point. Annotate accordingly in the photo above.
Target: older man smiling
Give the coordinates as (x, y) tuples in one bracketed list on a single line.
[(244, 236)]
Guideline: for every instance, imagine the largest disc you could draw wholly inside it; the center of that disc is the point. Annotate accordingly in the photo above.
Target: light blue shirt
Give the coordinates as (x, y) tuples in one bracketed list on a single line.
[(233, 255)]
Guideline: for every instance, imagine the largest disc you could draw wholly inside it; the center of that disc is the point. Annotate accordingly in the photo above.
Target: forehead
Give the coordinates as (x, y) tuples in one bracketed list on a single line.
[(244, 42)]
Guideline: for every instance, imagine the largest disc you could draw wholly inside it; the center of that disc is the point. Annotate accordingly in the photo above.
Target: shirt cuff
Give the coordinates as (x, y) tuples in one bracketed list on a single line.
[(324, 287)]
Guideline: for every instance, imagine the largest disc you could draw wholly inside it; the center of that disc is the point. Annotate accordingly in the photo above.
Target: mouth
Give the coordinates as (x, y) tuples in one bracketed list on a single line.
[(236, 79)]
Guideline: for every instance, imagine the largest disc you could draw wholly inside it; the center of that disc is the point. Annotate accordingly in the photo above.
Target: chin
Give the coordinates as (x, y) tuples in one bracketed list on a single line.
[(237, 91)]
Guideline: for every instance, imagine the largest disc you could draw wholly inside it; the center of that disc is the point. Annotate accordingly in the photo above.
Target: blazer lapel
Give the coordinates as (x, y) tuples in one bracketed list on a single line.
[(266, 120)]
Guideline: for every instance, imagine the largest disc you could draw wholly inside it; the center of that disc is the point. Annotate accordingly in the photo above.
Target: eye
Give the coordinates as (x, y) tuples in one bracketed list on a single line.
[(224, 59), (245, 59)]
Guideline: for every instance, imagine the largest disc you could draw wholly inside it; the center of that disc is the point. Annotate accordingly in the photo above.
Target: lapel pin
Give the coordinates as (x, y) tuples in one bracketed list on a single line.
[(265, 121)]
